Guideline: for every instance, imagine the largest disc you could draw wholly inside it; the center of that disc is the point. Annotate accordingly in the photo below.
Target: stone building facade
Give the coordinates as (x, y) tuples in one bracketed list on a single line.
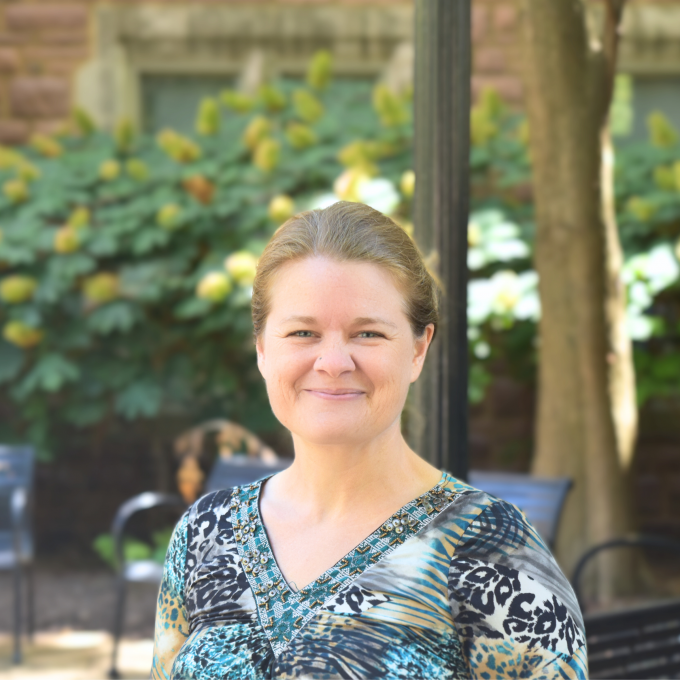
[(56, 54)]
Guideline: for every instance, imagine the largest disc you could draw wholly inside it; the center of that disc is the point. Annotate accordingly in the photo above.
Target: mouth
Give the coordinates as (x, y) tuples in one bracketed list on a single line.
[(335, 395)]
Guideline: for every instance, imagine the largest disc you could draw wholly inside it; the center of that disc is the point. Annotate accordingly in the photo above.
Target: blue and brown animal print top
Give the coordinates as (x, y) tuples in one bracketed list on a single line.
[(456, 584)]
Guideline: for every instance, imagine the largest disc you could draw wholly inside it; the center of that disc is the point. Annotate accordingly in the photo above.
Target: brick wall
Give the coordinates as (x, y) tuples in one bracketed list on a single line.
[(42, 44)]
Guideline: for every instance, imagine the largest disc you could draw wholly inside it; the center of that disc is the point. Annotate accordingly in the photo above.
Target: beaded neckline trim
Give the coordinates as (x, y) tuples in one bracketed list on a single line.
[(282, 611)]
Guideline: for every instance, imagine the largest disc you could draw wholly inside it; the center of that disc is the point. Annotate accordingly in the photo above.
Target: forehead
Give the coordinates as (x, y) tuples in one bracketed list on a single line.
[(321, 285)]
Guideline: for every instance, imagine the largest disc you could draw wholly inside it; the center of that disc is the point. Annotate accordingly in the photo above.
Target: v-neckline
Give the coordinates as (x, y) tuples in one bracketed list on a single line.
[(283, 611), (310, 585)]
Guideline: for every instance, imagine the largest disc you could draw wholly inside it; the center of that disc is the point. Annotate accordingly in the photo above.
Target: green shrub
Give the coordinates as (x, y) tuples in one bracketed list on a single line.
[(124, 259)]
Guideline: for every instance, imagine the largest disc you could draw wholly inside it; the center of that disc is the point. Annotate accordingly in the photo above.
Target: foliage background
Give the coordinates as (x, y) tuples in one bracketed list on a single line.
[(116, 300)]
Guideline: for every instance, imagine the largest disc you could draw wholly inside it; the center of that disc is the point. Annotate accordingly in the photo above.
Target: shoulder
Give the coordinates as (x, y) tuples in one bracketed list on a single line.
[(497, 543)]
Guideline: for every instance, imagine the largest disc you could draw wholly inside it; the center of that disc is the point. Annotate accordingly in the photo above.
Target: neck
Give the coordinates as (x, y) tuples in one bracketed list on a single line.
[(335, 481)]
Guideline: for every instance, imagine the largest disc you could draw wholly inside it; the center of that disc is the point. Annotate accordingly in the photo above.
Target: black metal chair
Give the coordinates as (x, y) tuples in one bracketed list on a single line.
[(637, 642), (225, 473), (541, 499), (241, 469), (137, 571), (16, 531)]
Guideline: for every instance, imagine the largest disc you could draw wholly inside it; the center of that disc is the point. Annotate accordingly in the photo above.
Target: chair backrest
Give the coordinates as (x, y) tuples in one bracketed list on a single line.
[(540, 498), (16, 466), (16, 472), (241, 469)]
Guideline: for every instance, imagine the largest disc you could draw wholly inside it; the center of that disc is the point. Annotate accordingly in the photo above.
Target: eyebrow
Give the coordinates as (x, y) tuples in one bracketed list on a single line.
[(360, 321)]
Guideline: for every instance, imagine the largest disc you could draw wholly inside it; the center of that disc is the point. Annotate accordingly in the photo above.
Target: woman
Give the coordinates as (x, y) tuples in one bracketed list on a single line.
[(361, 560)]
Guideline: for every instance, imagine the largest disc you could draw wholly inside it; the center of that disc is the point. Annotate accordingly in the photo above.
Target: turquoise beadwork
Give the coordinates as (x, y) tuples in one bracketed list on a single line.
[(283, 612)]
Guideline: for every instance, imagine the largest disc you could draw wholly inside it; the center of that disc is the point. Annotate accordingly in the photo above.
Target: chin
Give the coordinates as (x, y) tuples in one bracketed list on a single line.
[(343, 433)]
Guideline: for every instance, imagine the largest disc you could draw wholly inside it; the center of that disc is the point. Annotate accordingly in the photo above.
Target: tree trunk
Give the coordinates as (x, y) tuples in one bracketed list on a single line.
[(585, 368)]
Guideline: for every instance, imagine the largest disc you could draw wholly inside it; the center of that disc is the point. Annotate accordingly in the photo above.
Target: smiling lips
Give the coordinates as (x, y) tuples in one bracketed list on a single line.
[(335, 395)]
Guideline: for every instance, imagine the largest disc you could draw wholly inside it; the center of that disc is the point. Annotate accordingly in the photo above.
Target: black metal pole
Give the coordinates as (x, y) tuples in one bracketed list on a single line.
[(442, 141)]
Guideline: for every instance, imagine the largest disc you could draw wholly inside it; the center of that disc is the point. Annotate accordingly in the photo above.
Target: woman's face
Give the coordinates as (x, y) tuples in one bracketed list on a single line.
[(337, 351)]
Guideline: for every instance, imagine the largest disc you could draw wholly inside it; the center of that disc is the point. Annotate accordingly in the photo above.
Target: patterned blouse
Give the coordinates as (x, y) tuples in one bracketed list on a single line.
[(456, 584)]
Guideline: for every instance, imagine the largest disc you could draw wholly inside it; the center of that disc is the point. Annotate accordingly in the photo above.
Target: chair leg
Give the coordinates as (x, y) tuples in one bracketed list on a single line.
[(18, 596), (118, 625), (30, 582)]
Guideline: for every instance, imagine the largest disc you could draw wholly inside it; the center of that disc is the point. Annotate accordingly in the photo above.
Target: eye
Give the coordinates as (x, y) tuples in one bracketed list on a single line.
[(302, 334), (369, 335)]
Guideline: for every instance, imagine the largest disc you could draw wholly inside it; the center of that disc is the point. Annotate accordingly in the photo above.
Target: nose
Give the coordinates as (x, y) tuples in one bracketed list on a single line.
[(334, 360)]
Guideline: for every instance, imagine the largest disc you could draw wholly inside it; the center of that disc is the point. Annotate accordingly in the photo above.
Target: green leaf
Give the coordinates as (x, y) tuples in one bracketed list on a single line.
[(141, 399), (193, 308), (85, 414), (115, 316), (11, 361), (149, 240), (50, 374)]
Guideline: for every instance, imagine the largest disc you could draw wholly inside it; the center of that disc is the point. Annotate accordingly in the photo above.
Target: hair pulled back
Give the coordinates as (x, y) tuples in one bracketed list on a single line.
[(350, 232)]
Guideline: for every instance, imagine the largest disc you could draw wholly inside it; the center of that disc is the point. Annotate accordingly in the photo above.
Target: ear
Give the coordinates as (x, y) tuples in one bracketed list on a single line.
[(420, 347), (259, 349)]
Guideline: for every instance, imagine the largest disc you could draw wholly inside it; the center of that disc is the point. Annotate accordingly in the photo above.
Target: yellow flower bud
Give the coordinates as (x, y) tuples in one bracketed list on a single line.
[(28, 172), (124, 135), (391, 110), (281, 208), (661, 133), (109, 170), (208, 121), (242, 267), (300, 136), (66, 240), (482, 128), (347, 185), (137, 169), (320, 70), (257, 130), (101, 288), (237, 101), (408, 183), (46, 146), (16, 289), (642, 209), (79, 218), (214, 286), (83, 121), (179, 148), (16, 190), (21, 335), (307, 106), (273, 99), (168, 216), (267, 155)]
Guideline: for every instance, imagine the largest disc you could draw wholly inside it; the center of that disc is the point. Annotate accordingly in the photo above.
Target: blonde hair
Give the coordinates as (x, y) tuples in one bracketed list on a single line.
[(350, 232)]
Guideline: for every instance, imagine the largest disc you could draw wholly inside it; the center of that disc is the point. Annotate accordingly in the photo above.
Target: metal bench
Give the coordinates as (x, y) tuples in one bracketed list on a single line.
[(540, 498), (16, 531), (225, 473), (637, 642)]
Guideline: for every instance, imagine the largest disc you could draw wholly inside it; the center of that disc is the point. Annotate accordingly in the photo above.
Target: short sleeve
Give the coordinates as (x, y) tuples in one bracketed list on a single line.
[(174, 570), (172, 626), (515, 612)]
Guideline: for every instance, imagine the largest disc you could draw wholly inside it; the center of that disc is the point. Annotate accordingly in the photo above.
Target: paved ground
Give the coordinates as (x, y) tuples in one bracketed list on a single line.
[(73, 616), (75, 656), (81, 601)]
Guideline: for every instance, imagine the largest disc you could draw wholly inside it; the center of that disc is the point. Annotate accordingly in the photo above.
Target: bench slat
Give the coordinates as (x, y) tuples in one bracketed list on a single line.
[(663, 652), (666, 670), (611, 622), (597, 643)]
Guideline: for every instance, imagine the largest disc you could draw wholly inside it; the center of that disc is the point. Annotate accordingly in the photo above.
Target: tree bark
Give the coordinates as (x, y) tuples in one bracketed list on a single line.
[(585, 364)]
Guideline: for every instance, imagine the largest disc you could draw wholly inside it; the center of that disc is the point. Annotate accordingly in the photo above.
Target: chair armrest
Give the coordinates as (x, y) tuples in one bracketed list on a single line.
[(143, 501), (633, 541)]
